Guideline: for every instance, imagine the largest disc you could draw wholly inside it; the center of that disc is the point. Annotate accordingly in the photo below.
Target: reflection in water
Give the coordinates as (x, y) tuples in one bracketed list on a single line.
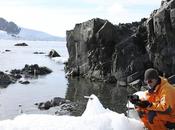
[(110, 95)]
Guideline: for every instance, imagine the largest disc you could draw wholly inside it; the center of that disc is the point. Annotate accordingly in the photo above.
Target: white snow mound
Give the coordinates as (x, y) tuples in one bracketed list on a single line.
[(95, 117)]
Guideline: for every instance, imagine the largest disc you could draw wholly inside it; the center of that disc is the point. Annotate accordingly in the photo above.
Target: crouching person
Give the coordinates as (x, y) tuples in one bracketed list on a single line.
[(157, 112)]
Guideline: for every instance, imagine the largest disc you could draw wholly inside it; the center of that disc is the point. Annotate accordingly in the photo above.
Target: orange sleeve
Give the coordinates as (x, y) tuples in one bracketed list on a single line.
[(163, 104)]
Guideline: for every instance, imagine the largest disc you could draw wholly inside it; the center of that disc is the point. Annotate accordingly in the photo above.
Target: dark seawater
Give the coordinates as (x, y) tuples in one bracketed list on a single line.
[(110, 95)]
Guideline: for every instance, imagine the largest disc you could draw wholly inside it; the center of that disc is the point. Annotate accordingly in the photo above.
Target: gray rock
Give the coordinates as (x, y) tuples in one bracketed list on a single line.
[(21, 44), (24, 82), (61, 105), (35, 70), (44, 106), (7, 50), (53, 53), (39, 52), (5, 80), (57, 101)]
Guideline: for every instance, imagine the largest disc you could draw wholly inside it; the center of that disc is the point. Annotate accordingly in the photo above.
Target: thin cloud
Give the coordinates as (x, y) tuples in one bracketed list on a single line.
[(63, 15)]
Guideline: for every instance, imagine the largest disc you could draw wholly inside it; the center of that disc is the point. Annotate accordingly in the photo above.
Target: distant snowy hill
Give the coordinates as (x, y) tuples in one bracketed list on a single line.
[(29, 34), (11, 31)]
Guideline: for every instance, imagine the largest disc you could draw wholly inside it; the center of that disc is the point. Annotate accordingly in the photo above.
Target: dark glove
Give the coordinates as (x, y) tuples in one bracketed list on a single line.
[(141, 113), (143, 104), (134, 99)]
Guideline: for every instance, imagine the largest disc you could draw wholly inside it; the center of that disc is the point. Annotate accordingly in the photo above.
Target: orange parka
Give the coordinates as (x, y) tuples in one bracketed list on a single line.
[(163, 103), (163, 98)]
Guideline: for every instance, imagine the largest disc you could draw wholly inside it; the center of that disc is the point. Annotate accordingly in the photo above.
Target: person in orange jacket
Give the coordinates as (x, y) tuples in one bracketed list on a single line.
[(157, 112)]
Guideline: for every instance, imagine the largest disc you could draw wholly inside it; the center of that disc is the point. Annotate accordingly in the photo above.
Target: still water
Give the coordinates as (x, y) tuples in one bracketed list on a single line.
[(110, 95), (45, 88), (42, 89)]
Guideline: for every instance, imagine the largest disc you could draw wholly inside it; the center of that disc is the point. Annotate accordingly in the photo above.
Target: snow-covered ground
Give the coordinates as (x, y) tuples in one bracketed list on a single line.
[(95, 117), (29, 34)]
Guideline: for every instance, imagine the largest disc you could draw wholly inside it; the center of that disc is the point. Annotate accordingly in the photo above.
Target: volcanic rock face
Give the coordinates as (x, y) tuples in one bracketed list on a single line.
[(99, 49)]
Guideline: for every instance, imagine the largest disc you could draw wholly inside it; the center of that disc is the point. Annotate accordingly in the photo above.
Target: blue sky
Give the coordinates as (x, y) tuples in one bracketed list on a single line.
[(57, 16)]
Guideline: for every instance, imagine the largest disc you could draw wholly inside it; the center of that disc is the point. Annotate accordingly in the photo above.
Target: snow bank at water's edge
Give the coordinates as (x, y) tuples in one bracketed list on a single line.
[(95, 117)]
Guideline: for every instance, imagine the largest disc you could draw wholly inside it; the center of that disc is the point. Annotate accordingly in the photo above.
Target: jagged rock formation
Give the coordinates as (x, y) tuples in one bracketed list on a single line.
[(98, 49)]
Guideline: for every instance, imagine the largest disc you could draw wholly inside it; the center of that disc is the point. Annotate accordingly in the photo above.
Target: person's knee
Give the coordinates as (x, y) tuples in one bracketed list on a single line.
[(151, 116)]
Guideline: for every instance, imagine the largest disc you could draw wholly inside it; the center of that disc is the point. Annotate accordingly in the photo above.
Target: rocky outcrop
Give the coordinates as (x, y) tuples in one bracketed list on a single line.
[(31, 71), (38, 52), (57, 101), (24, 82), (61, 105), (21, 44), (5, 80), (53, 53), (98, 49)]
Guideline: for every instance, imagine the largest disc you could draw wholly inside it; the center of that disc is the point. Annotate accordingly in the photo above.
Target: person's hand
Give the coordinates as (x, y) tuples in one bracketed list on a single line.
[(143, 104), (134, 99)]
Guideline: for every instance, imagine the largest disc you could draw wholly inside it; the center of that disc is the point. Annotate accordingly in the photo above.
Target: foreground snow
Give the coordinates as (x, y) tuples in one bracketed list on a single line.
[(95, 117)]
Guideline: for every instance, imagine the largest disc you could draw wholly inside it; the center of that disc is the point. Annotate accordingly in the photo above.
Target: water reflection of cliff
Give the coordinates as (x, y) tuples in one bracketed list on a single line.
[(110, 95)]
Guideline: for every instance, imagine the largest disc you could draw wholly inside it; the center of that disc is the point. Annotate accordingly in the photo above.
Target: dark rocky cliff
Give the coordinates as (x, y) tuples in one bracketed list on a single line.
[(161, 38), (100, 50)]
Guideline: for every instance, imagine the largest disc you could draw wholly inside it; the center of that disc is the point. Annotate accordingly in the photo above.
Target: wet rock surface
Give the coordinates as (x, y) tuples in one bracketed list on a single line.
[(35, 70), (29, 71), (59, 105)]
